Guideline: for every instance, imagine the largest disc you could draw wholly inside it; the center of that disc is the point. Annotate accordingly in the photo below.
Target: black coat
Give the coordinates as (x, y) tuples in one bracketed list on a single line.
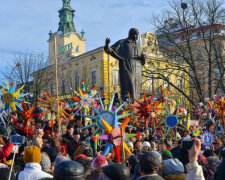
[(51, 151), (150, 177), (71, 144)]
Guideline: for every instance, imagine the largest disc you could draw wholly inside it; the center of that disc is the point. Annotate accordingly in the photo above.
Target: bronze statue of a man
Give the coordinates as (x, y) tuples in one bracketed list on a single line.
[(131, 58)]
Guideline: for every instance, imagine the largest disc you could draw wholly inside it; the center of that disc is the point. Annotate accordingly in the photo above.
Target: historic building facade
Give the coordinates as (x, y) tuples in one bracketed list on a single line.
[(95, 66)]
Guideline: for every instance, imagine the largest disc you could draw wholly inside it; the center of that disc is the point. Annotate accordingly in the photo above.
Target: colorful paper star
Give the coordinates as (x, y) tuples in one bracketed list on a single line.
[(10, 97)]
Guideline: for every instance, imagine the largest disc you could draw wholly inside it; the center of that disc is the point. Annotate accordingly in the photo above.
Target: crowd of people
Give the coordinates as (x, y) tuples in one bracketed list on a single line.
[(50, 154)]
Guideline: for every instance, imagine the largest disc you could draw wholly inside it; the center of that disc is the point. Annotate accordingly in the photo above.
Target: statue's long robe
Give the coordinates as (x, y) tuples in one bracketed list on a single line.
[(130, 67)]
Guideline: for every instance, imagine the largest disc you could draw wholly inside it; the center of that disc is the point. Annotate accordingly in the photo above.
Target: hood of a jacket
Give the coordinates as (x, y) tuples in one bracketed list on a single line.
[(33, 166)]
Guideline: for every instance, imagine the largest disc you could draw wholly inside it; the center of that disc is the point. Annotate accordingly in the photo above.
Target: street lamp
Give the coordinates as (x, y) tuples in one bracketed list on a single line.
[(184, 6)]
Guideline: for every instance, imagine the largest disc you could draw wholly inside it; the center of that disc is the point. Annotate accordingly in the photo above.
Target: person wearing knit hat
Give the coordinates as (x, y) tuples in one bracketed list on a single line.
[(156, 153), (5, 151), (138, 139), (173, 169), (80, 156), (166, 155), (45, 163), (32, 170), (96, 165), (145, 146), (130, 144), (98, 162)]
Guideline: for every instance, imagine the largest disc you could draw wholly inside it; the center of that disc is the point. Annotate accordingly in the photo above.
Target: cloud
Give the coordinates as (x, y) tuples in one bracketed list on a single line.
[(25, 24)]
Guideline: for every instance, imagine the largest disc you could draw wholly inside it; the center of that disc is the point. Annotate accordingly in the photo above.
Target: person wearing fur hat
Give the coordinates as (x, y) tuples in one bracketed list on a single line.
[(173, 169), (32, 170)]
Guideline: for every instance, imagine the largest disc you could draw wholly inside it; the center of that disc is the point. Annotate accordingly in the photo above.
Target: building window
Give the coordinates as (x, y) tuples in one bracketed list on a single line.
[(93, 78), (151, 84), (116, 80), (63, 87), (92, 58), (199, 54), (77, 81), (180, 84), (77, 48), (51, 89), (165, 84), (202, 77), (217, 73)]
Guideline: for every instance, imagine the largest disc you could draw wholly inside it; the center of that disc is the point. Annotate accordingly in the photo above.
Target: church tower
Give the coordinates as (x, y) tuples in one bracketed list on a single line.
[(68, 42), (66, 14)]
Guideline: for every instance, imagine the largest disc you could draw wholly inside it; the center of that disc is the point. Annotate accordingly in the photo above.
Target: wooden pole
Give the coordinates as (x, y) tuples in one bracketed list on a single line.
[(108, 80), (57, 86)]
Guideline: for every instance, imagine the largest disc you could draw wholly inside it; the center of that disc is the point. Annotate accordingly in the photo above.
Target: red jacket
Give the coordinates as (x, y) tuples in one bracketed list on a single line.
[(6, 150)]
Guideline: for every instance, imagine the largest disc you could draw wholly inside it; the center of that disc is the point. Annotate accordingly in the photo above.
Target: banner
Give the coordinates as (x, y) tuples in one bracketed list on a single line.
[(193, 123)]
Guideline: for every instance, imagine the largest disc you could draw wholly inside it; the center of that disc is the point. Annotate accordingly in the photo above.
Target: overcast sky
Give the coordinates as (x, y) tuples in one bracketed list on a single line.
[(25, 24)]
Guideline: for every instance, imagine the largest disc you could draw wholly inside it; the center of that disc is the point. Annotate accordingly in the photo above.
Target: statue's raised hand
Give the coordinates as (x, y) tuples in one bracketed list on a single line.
[(107, 41)]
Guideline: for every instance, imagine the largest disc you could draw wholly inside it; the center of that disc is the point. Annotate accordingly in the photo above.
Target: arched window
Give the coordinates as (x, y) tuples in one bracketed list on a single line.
[(77, 48)]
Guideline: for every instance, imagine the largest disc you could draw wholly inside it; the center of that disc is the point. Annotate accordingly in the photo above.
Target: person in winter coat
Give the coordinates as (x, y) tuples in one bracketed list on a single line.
[(70, 170), (173, 169), (96, 165), (32, 170), (5, 151), (194, 170), (132, 162), (114, 171), (68, 139), (207, 172), (49, 147), (4, 172), (149, 166), (220, 174)]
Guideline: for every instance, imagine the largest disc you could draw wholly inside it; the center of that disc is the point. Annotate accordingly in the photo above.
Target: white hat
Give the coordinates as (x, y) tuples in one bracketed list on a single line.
[(188, 137), (146, 143), (178, 135), (130, 144)]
